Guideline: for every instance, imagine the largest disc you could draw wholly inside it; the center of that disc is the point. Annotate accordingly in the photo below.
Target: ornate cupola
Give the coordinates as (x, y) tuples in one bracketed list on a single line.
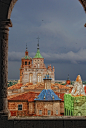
[(68, 82), (38, 55), (38, 60), (47, 81), (26, 63), (26, 54)]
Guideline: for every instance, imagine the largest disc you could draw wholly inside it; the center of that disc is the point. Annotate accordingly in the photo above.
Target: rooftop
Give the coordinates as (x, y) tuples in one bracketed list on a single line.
[(38, 55), (29, 96), (47, 95)]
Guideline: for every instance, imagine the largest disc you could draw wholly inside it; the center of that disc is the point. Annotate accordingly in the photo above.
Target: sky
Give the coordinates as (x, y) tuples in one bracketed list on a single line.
[(60, 27)]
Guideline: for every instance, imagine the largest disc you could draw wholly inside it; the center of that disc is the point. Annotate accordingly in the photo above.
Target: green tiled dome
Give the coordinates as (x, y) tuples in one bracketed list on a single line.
[(38, 55), (26, 57)]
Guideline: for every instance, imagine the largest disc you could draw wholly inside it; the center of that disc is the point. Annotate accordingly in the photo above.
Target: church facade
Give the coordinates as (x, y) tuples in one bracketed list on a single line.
[(33, 70)]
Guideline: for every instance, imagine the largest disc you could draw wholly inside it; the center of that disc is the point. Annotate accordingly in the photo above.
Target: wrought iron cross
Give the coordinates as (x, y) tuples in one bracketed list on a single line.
[(38, 39)]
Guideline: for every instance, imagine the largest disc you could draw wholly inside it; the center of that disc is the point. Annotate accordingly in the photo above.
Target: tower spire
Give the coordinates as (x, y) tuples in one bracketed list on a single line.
[(26, 52), (26, 46), (38, 42), (68, 77)]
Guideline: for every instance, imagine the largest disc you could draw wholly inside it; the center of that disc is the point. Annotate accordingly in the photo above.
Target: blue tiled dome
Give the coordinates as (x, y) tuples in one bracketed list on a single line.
[(47, 95)]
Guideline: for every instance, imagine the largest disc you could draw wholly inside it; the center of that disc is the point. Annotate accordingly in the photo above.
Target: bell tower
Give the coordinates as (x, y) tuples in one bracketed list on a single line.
[(26, 64)]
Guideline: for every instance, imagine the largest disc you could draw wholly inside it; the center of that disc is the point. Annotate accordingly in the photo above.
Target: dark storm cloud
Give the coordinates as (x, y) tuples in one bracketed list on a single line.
[(60, 26), (71, 57)]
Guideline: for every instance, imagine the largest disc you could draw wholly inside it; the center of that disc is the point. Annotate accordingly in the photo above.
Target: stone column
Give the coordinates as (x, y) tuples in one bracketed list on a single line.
[(4, 31)]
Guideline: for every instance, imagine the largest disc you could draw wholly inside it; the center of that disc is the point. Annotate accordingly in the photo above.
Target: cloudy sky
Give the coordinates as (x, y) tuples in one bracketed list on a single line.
[(60, 26)]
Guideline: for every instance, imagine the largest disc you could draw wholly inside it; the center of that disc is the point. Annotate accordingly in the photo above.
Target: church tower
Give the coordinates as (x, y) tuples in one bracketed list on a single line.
[(38, 64), (26, 64), (33, 70)]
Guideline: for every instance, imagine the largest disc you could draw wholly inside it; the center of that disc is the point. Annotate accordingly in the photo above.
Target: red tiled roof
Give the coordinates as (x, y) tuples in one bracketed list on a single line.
[(53, 86), (16, 86), (60, 95), (29, 96)]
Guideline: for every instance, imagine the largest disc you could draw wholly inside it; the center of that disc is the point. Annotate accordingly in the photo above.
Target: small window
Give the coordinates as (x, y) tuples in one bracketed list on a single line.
[(40, 112), (25, 69), (20, 107), (35, 60), (29, 63), (25, 62), (38, 65), (49, 112), (38, 60), (56, 112)]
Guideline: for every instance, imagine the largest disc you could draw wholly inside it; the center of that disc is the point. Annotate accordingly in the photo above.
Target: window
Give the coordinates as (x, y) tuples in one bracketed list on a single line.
[(29, 63), (38, 65), (56, 112), (49, 112), (25, 62), (20, 107), (30, 78), (40, 112), (39, 77)]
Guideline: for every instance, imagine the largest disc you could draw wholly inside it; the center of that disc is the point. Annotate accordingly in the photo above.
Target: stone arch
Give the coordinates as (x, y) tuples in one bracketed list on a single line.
[(6, 7), (11, 8), (79, 114)]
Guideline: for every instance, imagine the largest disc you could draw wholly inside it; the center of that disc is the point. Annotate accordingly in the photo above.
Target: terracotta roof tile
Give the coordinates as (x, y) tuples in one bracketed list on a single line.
[(29, 96), (16, 86), (60, 95)]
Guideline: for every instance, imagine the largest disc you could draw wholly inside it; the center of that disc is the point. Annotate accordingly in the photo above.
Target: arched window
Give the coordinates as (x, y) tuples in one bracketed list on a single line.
[(25, 62), (29, 63), (39, 77), (30, 78)]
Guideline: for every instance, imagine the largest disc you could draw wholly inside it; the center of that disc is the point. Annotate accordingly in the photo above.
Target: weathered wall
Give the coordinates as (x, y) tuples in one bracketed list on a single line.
[(31, 108), (45, 106)]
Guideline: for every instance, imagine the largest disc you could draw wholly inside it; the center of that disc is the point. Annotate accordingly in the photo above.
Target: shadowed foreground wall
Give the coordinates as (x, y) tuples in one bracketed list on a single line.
[(78, 123)]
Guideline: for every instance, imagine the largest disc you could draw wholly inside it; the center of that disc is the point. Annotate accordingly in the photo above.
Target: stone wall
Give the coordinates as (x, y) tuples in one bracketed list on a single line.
[(45, 106)]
